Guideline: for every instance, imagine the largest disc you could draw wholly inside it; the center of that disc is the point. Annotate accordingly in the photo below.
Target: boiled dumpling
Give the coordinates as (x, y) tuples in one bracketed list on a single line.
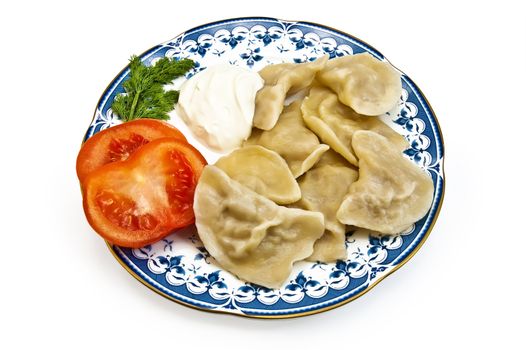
[(323, 189), (292, 140), (248, 234), (368, 85), (329, 248), (333, 158), (335, 123), (280, 80), (391, 193), (263, 171)]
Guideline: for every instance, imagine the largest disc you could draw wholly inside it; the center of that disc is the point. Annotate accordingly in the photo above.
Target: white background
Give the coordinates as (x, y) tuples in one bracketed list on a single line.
[(60, 285)]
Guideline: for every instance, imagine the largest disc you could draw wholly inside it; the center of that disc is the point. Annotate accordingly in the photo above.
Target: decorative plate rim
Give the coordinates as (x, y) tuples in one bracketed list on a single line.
[(419, 94)]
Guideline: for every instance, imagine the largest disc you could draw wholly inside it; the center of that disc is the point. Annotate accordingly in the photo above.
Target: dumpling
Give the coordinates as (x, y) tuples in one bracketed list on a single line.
[(263, 171), (280, 80), (323, 189), (292, 140), (333, 158), (248, 234), (391, 192), (335, 123), (367, 85)]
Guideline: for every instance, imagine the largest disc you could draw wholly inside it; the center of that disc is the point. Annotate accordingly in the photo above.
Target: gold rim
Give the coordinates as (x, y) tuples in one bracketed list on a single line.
[(330, 307)]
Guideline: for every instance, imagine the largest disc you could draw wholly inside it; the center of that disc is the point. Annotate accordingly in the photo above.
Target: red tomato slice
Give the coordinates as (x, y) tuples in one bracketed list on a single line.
[(119, 142), (140, 200)]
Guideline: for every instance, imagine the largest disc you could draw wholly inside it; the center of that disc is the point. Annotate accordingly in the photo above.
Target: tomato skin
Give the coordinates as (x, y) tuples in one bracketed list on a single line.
[(119, 142), (140, 200)]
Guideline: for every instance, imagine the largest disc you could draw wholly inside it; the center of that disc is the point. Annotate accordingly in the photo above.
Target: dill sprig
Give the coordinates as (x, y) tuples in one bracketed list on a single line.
[(145, 96)]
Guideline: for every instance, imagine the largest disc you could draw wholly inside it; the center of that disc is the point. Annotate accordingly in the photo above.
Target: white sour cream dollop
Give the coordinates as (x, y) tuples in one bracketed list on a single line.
[(218, 104)]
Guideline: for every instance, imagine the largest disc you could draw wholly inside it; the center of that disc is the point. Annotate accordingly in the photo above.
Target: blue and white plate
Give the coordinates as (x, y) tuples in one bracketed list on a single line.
[(179, 267)]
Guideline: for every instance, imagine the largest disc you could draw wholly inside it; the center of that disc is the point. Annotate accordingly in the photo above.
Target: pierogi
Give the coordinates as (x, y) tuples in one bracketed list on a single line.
[(335, 123), (263, 171), (364, 83), (323, 189), (292, 140), (391, 192), (248, 234), (326, 156), (281, 80)]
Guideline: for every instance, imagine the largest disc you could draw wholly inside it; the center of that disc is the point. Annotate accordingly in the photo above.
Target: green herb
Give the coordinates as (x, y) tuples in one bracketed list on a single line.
[(145, 96)]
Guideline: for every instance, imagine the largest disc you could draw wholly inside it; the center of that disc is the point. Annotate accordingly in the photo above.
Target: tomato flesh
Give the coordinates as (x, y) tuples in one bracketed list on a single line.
[(121, 149), (119, 142), (140, 200), (180, 188), (121, 211)]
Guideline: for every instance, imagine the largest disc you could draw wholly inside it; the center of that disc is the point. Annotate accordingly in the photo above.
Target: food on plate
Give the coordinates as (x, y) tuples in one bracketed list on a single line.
[(119, 142), (322, 190), (331, 157), (218, 104), (248, 234), (366, 84), (292, 140), (391, 192), (335, 123), (145, 96), (282, 80), (263, 171), (323, 155), (140, 200)]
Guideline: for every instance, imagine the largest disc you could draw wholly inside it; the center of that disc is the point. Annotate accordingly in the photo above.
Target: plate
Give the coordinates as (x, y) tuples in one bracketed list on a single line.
[(179, 267)]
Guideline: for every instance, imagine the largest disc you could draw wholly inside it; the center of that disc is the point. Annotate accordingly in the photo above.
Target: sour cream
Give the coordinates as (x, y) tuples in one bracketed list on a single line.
[(217, 105)]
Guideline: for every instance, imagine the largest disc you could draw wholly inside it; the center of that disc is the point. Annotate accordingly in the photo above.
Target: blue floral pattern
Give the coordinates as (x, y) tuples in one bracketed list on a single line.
[(180, 267)]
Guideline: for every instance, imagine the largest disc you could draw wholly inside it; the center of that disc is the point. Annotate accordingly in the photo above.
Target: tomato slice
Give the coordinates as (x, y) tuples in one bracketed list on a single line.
[(140, 200), (119, 142)]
